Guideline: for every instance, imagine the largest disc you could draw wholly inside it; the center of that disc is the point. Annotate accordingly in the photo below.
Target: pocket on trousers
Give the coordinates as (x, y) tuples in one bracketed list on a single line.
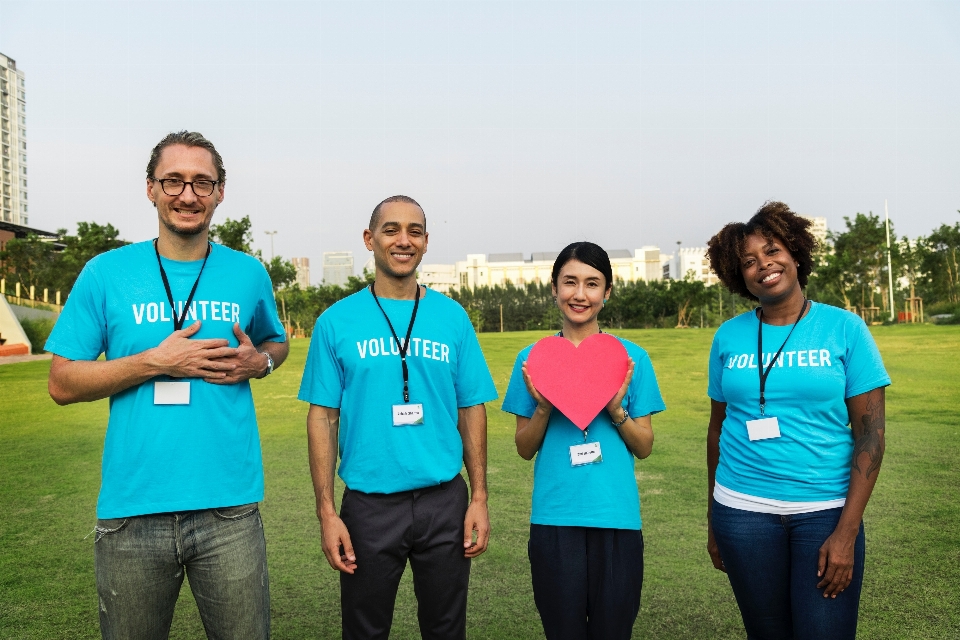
[(236, 513), (109, 526)]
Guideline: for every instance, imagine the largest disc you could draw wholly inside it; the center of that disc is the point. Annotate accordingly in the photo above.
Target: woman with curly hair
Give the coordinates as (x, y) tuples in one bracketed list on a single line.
[(788, 478)]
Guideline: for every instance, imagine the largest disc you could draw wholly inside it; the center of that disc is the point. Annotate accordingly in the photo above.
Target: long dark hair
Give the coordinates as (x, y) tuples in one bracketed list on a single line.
[(589, 254)]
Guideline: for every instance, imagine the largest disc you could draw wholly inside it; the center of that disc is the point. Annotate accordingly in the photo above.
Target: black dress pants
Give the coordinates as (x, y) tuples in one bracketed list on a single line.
[(586, 581), (424, 526)]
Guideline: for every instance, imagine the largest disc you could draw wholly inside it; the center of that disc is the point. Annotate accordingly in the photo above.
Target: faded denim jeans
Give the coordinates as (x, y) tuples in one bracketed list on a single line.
[(141, 562)]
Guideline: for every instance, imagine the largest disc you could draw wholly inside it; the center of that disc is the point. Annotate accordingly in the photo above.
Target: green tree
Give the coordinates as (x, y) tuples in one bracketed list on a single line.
[(940, 264), (234, 234), (91, 240), (282, 272), (27, 261), (855, 272)]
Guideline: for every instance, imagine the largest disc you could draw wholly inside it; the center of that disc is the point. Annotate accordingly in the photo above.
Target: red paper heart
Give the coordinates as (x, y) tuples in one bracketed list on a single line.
[(579, 381)]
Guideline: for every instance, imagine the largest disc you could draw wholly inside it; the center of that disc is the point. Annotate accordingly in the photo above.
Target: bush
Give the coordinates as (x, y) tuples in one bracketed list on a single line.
[(37, 332)]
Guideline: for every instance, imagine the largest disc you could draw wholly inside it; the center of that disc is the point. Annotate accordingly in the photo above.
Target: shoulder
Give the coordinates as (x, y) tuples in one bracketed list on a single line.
[(444, 304), (353, 303), (128, 257), (738, 324), (237, 259), (635, 351)]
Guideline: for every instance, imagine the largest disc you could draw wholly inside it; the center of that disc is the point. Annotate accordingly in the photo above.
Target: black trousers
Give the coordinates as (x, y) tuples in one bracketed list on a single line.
[(586, 581), (424, 526)]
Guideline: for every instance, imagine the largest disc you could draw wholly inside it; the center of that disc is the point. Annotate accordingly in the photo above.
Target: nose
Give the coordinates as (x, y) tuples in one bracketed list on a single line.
[(188, 195)]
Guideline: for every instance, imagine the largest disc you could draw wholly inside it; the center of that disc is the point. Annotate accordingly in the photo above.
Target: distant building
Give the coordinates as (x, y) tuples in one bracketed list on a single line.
[(337, 267), (498, 268), (819, 228), (13, 140), (302, 265), (693, 262)]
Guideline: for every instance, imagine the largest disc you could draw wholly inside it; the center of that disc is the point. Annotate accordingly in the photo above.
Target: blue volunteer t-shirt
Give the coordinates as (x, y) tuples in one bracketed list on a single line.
[(354, 365), (604, 494), (830, 357), (160, 458)]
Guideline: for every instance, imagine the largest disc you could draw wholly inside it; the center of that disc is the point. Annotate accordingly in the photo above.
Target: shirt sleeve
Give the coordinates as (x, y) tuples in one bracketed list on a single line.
[(80, 332), (323, 377), (862, 362), (474, 384), (265, 324), (518, 400), (715, 370), (643, 394)]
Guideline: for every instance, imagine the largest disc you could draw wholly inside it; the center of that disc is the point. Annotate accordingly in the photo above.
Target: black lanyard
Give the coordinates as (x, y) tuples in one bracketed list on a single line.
[(178, 322), (773, 360), (406, 343)]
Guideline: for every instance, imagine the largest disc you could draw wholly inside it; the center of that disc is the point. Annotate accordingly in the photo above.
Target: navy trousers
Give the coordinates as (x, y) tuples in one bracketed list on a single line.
[(423, 526), (586, 581)]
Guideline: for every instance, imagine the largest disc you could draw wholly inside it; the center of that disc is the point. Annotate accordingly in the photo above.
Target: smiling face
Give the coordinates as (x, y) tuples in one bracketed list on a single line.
[(769, 270), (580, 291), (399, 241), (186, 214)]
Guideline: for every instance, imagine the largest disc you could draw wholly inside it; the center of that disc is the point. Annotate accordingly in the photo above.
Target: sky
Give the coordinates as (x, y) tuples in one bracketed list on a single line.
[(520, 126)]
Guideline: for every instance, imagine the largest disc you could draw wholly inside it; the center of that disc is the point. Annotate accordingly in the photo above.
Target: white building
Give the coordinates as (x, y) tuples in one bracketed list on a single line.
[(819, 228), (337, 267), (13, 139), (498, 268), (693, 262), (302, 265)]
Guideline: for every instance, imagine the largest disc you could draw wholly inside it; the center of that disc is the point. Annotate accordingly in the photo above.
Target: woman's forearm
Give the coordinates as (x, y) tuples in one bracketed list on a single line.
[(530, 432)]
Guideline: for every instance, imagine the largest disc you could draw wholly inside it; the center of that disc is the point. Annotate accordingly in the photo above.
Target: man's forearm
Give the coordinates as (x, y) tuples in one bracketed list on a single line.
[(322, 443), (278, 351), (88, 380), (472, 425)]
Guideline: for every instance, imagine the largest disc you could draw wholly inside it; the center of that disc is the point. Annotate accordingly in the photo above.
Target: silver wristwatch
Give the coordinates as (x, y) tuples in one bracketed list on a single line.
[(269, 364)]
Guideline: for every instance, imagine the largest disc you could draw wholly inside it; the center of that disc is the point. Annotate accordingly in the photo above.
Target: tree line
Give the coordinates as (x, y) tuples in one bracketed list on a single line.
[(851, 272)]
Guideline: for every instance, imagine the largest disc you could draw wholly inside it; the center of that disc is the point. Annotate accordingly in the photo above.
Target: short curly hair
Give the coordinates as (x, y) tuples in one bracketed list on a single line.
[(774, 220)]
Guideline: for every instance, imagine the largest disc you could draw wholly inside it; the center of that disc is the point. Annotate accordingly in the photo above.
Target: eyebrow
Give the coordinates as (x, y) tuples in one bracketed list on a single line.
[(417, 225)]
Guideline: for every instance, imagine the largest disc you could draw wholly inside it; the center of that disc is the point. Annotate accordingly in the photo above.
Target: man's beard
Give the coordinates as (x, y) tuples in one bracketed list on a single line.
[(192, 231)]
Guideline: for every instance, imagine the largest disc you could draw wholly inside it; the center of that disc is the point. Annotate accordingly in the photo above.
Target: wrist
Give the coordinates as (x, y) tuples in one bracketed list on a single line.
[(479, 497), (267, 365), (618, 415)]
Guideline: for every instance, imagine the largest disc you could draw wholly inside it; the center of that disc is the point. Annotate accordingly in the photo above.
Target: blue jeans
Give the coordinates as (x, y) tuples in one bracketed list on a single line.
[(771, 561), (141, 561)]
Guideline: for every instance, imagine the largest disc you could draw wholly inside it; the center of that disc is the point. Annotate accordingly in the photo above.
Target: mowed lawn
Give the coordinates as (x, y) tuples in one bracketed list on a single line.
[(49, 477)]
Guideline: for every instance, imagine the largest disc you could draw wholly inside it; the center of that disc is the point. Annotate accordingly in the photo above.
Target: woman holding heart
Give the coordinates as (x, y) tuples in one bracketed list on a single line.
[(586, 544), (788, 478)]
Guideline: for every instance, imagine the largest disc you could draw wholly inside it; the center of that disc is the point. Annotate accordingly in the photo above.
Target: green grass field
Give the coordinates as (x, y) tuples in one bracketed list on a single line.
[(49, 478)]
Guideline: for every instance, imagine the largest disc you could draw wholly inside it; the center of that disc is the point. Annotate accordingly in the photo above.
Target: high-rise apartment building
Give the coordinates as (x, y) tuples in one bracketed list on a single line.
[(13, 143), (302, 265), (337, 267)]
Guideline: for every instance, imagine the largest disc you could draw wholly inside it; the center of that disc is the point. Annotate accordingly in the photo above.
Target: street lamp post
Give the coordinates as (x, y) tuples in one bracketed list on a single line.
[(271, 234)]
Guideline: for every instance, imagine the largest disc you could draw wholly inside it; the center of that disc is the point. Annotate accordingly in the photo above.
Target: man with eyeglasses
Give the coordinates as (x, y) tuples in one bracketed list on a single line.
[(184, 324)]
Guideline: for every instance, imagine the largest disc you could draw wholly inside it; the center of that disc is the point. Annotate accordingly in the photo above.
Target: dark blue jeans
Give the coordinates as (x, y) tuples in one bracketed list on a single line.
[(771, 561), (141, 561)]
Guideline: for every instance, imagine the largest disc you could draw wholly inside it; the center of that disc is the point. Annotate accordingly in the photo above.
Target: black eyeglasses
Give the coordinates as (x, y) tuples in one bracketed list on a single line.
[(175, 186)]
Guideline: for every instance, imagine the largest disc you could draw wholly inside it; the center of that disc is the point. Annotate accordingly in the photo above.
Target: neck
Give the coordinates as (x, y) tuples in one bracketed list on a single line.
[(403, 288), (182, 248), (785, 310), (577, 333)]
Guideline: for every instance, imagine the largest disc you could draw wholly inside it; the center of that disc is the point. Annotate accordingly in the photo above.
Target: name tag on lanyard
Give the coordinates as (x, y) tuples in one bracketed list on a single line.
[(171, 392), (407, 414), (586, 453), (763, 429)]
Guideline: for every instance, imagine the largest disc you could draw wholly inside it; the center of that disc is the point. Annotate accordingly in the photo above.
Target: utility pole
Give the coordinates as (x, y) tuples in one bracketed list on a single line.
[(889, 259), (679, 263), (271, 234)]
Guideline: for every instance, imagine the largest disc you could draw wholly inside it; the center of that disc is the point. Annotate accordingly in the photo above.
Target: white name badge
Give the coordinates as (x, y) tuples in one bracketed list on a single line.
[(407, 414), (171, 392), (763, 429), (586, 453)]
